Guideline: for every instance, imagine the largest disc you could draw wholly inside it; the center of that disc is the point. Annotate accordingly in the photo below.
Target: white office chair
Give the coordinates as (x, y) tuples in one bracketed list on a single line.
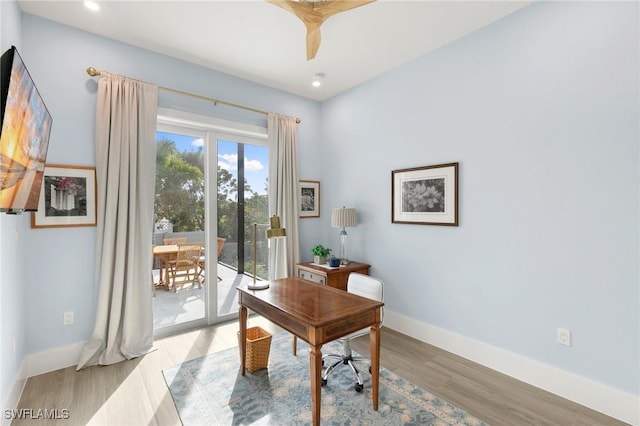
[(365, 286)]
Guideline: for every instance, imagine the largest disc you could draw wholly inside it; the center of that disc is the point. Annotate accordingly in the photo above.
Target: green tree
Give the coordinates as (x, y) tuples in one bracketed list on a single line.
[(179, 187), (227, 217), (180, 198)]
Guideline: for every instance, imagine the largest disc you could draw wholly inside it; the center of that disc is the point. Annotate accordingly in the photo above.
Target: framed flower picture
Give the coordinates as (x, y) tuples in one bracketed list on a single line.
[(309, 198), (425, 195), (67, 197)]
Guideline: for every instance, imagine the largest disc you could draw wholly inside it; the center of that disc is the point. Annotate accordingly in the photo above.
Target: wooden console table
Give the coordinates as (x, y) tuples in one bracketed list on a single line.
[(326, 275), (317, 314)]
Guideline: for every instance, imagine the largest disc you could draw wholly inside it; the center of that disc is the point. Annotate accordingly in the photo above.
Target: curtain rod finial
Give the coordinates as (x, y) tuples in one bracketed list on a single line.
[(298, 120), (92, 71)]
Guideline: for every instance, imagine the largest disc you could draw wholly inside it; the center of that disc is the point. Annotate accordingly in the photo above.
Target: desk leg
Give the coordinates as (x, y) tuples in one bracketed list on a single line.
[(315, 361), (374, 343), (294, 349), (242, 314)]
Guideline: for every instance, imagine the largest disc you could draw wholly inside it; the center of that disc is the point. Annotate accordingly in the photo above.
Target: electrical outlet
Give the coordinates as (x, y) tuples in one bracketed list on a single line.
[(564, 336), (68, 318)]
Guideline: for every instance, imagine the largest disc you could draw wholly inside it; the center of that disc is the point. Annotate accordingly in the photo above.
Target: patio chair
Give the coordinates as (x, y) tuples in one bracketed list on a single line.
[(184, 269), (201, 260), (200, 272)]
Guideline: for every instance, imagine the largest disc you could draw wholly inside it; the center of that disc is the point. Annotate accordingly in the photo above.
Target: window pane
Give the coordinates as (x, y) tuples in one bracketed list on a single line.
[(179, 213)]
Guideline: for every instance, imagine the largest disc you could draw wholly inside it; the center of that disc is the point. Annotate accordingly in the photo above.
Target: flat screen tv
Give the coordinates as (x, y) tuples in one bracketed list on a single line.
[(24, 136)]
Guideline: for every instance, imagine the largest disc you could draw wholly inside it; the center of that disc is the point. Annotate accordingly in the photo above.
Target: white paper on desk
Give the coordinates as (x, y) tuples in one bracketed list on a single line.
[(326, 265)]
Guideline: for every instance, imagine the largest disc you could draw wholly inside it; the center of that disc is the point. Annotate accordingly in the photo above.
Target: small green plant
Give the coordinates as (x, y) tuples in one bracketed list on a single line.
[(320, 250)]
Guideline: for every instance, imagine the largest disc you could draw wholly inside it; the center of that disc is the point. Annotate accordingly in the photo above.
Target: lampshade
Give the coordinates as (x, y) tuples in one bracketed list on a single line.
[(344, 218), (275, 231)]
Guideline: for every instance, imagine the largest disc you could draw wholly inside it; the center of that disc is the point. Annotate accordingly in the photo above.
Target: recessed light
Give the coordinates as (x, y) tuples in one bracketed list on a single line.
[(317, 80), (92, 5)]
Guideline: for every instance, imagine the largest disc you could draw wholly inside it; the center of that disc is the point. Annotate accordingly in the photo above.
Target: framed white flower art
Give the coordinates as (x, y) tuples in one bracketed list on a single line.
[(425, 195)]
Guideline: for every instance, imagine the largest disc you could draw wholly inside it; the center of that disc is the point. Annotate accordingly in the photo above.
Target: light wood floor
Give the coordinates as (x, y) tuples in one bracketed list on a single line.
[(134, 392)]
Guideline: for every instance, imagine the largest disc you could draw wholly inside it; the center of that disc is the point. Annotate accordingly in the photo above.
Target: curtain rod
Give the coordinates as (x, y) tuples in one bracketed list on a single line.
[(94, 73)]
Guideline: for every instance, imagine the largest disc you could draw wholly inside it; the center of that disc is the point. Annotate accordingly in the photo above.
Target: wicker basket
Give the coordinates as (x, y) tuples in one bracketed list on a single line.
[(258, 347)]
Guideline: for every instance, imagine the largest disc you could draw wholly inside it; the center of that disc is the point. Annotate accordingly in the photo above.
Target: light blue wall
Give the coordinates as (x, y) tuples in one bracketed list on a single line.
[(541, 111), (13, 298), (62, 274)]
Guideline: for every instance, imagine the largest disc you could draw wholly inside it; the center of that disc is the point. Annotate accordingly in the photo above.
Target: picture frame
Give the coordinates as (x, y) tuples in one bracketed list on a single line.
[(309, 199), (425, 195), (67, 197)]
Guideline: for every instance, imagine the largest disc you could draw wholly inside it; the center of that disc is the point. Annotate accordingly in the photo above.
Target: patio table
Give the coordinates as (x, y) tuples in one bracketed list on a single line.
[(164, 254)]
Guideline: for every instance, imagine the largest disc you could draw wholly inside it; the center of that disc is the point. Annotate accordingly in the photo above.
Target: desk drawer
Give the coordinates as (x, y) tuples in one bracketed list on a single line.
[(310, 276)]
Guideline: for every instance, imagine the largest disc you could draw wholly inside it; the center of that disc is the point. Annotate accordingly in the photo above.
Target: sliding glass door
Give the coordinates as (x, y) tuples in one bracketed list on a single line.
[(180, 300), (242, 201), (211, 187)]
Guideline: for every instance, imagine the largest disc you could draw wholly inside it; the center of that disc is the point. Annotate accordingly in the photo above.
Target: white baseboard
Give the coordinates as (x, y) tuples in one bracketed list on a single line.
[(14, 393), (53, 359), (610, 401), (605, 399)]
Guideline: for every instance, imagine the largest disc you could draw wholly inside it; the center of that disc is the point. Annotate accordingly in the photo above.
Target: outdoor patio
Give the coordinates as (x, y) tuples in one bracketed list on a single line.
[(188, 304)]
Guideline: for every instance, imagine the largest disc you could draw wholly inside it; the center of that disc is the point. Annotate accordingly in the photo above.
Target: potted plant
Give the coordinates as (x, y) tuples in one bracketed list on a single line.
[(320, 254)]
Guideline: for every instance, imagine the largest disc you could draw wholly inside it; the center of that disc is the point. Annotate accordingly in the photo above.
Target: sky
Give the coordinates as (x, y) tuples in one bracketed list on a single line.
[(256, 167)]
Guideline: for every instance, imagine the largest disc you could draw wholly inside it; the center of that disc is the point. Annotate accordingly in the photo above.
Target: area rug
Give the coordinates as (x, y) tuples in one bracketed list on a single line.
[(211, 391)]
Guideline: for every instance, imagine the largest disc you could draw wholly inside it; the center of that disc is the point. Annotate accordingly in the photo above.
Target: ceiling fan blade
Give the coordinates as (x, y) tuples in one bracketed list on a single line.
[(314, 13), (313, 40), (303, 10), (331, 7)]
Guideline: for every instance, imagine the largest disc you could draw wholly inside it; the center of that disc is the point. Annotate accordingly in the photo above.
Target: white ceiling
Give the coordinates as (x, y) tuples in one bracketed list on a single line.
[(263, 43)]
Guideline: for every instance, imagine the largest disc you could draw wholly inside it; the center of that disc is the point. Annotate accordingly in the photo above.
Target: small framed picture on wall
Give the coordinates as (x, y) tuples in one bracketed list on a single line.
[(67, 197), (309, 198)]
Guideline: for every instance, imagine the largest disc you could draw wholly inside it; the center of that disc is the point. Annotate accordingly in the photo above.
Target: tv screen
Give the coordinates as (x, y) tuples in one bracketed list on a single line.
[(24, 137)]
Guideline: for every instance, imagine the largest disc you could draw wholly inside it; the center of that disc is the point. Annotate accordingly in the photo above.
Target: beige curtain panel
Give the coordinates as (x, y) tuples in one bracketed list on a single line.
[(284, 199), (125, 165)]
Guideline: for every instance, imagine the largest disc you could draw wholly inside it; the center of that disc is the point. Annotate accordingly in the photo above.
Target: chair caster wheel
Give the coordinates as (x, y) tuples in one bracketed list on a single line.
[(324, 382), (358, 387)]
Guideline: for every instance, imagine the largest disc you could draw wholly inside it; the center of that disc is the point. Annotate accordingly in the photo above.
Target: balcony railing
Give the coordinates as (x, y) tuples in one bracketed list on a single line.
[(229, 256)]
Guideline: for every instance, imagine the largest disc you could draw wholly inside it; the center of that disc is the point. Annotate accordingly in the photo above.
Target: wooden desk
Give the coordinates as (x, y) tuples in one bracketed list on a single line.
[(164, 254), (333, 277), (316, 314)]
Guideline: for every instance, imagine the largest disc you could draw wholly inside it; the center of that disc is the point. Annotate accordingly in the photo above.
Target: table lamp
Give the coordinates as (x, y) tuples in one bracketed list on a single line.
[(274, 231), (343, 218)]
